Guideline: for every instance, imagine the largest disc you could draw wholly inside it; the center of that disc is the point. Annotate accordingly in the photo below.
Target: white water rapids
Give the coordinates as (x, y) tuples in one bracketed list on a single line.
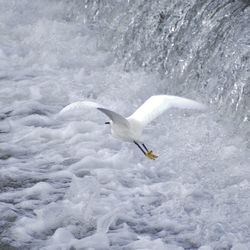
[(67, 184)]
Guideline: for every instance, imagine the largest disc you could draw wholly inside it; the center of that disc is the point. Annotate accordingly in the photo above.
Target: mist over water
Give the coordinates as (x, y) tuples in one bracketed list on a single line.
[(65, 183)]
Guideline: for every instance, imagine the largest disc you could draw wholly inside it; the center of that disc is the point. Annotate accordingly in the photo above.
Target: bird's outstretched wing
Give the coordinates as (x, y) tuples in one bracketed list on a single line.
[(81, 106), (76, 107), (157, 104)]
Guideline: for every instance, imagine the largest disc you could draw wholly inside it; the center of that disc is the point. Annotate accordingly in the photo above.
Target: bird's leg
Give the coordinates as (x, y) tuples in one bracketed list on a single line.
[(140, 147), (145, 147), (148, 153)]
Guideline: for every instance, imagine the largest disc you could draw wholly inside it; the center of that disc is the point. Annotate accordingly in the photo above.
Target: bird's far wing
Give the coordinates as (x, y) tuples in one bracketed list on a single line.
[(77, 107), (156, 105), (80, 107), (116, 118)]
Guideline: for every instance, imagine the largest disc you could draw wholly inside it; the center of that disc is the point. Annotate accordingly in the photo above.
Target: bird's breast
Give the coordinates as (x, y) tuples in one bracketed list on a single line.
[(126, 133)]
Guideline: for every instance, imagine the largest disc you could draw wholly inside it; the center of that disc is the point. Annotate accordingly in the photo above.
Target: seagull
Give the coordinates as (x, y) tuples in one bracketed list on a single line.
[(130, 128)]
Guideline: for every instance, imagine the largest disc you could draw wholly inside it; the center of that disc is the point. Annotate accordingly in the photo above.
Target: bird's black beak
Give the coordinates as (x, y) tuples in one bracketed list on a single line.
[(107, 122)]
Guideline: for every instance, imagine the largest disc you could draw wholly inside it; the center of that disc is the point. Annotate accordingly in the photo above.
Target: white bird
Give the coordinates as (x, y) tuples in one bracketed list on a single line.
[(130, 129)]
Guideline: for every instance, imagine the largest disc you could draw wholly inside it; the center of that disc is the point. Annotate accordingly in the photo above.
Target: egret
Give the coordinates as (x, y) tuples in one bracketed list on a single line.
[(130, 129)]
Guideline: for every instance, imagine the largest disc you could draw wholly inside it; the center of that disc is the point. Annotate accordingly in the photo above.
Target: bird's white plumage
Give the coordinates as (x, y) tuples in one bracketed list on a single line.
[(115, 117), (79, 106), (130, 129), (156, 105)]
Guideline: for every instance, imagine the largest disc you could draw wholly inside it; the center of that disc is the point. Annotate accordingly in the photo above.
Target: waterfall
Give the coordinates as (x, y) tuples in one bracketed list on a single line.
[(199, 47), (66, 183)]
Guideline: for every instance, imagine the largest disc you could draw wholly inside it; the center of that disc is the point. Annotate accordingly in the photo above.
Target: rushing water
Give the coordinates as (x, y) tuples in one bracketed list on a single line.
[(198, 46), (65, 183)]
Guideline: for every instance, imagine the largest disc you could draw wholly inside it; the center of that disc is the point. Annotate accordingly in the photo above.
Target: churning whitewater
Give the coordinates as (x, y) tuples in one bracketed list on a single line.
[(66, 183)]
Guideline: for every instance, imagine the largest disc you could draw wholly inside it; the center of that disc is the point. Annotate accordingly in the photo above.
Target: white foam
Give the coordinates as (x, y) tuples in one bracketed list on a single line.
[(66, 183), (205, 248), (240, 246)]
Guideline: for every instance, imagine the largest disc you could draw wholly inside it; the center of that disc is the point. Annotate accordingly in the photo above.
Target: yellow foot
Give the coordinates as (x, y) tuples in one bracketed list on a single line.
[(150, 155)]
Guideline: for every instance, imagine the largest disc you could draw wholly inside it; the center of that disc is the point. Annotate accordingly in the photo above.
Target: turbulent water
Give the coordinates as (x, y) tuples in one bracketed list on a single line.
[(199, 47), (65, 183)]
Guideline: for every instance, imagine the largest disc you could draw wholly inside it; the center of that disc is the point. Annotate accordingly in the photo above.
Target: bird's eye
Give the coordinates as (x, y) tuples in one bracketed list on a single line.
[(107, 122)]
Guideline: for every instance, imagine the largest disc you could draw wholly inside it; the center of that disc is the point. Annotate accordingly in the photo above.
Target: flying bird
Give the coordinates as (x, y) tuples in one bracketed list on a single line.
[(130, 129)]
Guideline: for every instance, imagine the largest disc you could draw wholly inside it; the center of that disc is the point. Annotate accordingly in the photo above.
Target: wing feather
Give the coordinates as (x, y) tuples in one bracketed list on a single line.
[(115, 117), (157, 104), (81, 106)]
